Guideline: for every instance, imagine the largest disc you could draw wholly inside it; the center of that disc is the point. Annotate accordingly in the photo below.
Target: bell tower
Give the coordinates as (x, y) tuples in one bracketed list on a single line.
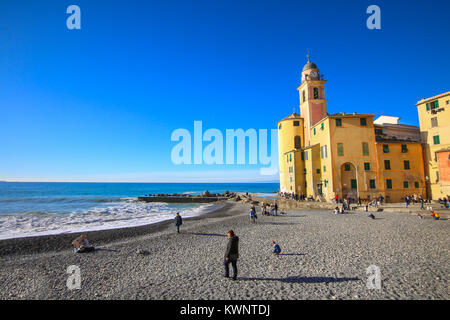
[(313, 105)]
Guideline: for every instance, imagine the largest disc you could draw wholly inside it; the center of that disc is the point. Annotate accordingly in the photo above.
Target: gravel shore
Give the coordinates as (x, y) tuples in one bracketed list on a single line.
[(324, 256)]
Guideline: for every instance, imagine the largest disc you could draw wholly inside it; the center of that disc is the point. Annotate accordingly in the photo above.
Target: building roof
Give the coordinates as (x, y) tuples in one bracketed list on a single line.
[(425, 100), (348, 114), (292, 116)]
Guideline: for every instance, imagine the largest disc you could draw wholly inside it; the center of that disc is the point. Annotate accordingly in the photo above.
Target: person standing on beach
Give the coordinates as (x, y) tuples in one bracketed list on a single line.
[(178, 222), (231, 254), (275, 207), (252, 215)]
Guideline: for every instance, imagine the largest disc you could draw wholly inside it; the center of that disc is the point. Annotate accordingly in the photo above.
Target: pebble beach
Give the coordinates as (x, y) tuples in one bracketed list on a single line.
[(324, 256)]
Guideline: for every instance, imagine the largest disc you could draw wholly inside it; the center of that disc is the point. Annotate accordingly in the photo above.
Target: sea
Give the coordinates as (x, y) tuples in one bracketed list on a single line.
[(49, 208)]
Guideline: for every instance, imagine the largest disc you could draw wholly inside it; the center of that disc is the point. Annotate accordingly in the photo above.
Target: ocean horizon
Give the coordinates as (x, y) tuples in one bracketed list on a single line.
[(44, 208)]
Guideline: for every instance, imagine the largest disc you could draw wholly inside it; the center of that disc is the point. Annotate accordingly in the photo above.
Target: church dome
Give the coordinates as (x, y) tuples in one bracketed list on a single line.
[(310, 65)]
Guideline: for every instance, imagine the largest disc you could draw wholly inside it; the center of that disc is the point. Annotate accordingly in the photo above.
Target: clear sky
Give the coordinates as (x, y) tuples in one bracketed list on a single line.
[(100, 103)]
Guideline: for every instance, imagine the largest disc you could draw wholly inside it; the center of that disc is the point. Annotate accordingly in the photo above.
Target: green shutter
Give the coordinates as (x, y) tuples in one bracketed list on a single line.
[(406, 164), (436, 104), (321, 152), (372, 184), (388, 183), (340, 149), (365, 147), (436, 140), (428, 106)]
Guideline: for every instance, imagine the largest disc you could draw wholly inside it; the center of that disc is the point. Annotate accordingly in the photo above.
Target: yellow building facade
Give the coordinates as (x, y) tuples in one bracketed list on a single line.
[(434, 121), (344, 154)]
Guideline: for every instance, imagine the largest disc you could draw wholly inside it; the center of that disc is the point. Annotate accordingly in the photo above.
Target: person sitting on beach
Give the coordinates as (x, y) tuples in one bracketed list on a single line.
[(81, 245), (276, 248), (420, 216), (178, 222), (336, 210), (371, 216), (434, 215)]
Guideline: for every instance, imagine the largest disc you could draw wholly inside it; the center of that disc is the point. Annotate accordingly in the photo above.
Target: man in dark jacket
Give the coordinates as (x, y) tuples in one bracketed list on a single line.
[(231, 254), (178, 222)]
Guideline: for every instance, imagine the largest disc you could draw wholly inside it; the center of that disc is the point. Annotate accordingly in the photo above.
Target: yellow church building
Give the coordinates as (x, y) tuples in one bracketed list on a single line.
[(350, 155)]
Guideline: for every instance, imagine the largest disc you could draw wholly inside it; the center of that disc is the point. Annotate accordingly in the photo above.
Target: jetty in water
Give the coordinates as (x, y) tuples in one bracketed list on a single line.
[(205, 197)]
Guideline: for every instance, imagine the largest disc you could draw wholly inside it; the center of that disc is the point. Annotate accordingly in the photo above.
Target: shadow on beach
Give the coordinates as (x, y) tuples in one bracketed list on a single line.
[(279, 223), (297, 279), (207, 234)]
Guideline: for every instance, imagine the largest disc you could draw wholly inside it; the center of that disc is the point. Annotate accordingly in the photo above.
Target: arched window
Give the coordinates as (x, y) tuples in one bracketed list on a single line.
[(297, 142), (316, 93)]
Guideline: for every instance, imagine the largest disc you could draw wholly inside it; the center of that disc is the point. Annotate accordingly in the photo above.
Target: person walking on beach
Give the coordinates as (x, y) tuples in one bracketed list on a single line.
[(275, 208), (178, 222), (252, 215), (231, 254)]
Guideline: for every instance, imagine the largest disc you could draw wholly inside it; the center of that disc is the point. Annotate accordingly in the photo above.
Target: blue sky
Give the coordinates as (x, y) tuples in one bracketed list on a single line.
[(100, 103)]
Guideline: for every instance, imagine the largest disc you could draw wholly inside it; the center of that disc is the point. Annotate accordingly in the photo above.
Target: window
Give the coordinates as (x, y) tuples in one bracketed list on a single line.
[(372, 184), (291, 187), (322, 126), (287, 158), (318, 171), (433, 105), (406, 165), (290, 157), (404, 148), (388, 183), (347, 167), (304, 171), (379, 131), (387, 164), (302, 154), (436, 140), (304, 96), (340, 149), (363, 122), (365, 148), (296, 123), (437, 176), (297, 142), (325, 182), (366, 166), (416, 185), (316, 93), (321, 152), (325, 151), (405, 184), (338, 122), (385, 148), (291, 179), (324, 169), (306, 155), (354, 184), (314, 130), (434, 122)]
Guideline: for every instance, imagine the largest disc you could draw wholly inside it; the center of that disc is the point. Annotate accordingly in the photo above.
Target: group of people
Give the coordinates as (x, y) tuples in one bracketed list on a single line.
[(295, 196)]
